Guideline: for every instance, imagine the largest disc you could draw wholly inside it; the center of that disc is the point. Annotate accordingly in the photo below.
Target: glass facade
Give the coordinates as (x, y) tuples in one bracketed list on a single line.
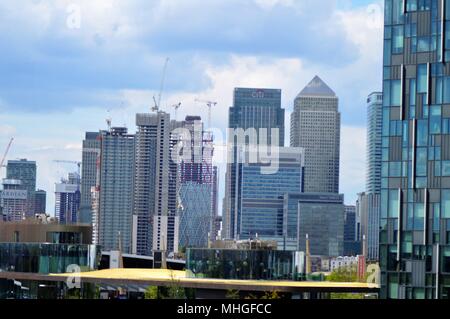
[(257, 109), (415, 185), (261, 196), (47, 258), (245, 264)]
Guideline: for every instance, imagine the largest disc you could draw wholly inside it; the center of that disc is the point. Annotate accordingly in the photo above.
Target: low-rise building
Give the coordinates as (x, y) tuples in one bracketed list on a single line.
[(43, 229), (343, 262)]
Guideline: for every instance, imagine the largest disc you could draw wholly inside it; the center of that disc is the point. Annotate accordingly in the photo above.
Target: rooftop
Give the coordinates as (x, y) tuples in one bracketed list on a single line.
[(317, 87)]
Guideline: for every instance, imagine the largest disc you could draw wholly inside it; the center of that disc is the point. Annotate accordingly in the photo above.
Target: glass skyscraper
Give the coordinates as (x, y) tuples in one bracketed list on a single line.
[(196, 185), (252, 109), (415, 184), (261, 196), (368, 204)]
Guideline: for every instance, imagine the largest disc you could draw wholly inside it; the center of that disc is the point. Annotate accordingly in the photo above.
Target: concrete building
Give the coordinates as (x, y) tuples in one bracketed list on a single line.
[(253, 109), (113, 194), (40, 201), (91, 156), (343, 262), (25, 171), (44, 230), (155, 185), (68, 199), (415, 181), (316, 127), (14, 200)]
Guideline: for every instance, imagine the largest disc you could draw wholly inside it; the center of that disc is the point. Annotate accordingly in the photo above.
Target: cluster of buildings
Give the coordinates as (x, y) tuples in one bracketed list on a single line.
[(140, 199), (157, 189)]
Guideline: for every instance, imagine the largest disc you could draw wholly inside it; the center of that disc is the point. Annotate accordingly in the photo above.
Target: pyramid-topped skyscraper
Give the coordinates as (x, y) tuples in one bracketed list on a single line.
[(316, 126), (316, 87)]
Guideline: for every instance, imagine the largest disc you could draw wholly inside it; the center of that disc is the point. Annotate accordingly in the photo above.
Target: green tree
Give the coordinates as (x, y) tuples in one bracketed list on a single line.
[(232, 294), (151, 292), (345, 274)]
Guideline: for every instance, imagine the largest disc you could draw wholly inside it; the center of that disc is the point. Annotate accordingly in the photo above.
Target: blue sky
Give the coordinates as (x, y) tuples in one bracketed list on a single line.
[(67, 65)]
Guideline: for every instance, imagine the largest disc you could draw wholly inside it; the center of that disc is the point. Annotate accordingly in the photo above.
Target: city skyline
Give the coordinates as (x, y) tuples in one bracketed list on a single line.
[(213, 72)]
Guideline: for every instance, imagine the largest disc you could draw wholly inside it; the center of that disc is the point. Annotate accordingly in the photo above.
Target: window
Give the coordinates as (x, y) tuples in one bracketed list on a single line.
[(397, 39), (446, 168), (422, 78), (422, 133), (393, 203), (435, 119), (395, 169), (446, 90), (396, 92), (412, 92), (423, 44), (397, 11), (419, 216), (411, 5), (421, 159), (445, 211)]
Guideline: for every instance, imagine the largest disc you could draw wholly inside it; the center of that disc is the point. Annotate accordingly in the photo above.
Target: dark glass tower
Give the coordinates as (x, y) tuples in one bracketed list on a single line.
[(415, 185), (256, 109)]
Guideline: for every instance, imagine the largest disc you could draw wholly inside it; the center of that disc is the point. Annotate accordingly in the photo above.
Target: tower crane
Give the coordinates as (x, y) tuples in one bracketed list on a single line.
[(161, 89), (176, 107), (210, 105), (6, 153)]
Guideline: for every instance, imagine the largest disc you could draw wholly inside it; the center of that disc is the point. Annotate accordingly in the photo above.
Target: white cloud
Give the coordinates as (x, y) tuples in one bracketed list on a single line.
[(124, 27)]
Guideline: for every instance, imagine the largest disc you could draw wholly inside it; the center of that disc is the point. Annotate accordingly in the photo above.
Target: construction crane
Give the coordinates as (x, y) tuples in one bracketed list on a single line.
[(157, 102), (210, 105), (176, 107), (6, 153), (70, 162)]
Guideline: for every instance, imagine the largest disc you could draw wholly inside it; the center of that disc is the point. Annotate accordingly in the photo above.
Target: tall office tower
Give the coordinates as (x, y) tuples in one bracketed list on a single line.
[(196, 185), (316, 127), (368, 205), (91, 153), (113, 194), (68, 199), (40, 201), (14, 200), (261, 197), (155, 190), (25, 171), (256, 109), (415, 184), (352, 243)]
